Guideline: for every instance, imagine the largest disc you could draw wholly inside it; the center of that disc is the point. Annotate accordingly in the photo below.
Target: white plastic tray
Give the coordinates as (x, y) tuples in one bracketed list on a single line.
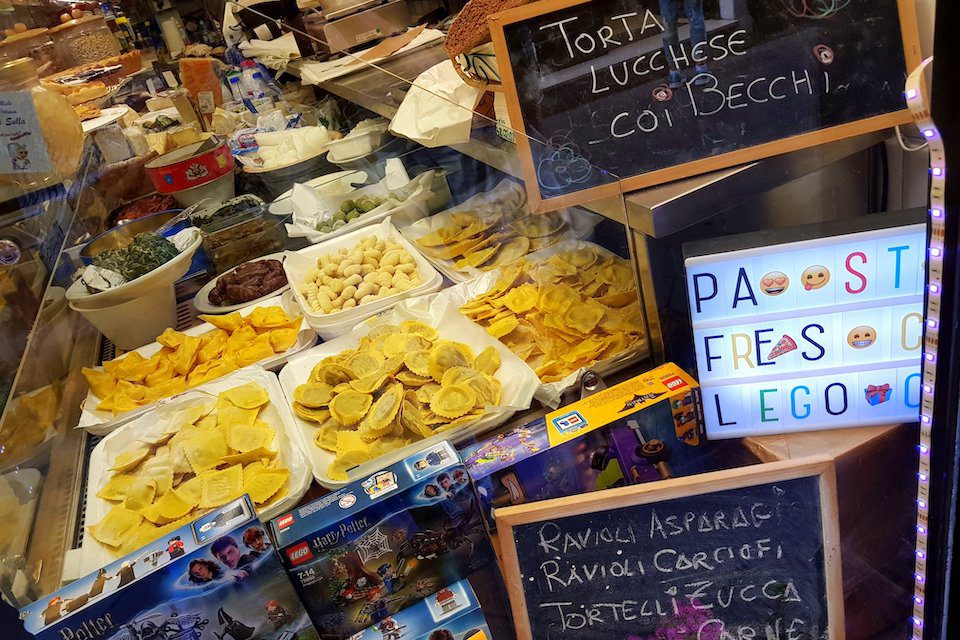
[(549, 393), (518, 380), (333, 324), (103, 422), (507, 195), (25, 484), (283, 205), (277, 414), (201, 301)]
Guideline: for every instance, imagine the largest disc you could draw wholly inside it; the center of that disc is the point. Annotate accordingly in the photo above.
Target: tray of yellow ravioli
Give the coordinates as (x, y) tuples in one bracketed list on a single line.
[(265, 334), (568, 308), (207, 447), (29, 427), (492, 229), (414, 375)]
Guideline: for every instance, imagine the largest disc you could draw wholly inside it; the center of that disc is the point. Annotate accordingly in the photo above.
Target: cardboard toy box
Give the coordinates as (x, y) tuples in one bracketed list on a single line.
[(644, 429), (215, 578), (452, 613), (378, 545)]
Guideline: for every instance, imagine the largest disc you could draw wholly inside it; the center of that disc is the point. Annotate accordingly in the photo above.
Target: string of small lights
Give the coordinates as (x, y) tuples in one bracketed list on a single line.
[(919, 105)]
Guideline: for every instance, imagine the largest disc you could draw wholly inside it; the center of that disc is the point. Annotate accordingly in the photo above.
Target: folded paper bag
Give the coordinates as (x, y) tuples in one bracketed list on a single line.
[(438, 109)]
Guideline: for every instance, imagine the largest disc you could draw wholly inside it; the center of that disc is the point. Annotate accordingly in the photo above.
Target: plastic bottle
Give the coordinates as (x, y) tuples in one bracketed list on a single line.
[(249, 84), (234, 82)]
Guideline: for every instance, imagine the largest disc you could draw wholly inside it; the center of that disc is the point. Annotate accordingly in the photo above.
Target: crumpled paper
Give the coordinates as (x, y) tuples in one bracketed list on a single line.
[(275, 54), (438, 109), (317, 72), (282, 148)]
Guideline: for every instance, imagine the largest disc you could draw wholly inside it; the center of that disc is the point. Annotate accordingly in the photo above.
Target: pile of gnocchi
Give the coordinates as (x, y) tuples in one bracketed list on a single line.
[(374, 268)]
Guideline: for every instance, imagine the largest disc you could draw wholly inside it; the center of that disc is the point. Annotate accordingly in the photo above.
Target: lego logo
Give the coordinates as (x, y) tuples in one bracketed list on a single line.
[(675, 382), (285, 521), (299, 554)]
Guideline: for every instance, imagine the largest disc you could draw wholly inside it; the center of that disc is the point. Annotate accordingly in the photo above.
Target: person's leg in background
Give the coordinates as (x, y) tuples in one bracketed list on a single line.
[(698, 31), (670, 12)]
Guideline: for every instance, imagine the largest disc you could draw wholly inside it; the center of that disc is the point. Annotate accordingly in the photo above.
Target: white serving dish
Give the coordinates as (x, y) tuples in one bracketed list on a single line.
[(170, 112), (518, 380), (25, 484), (278, 415), (332, 184), (506, 195), (359, 142), (549, 393), (107, 116), (164, 275), (201, 301), (103, 422), (330, 325)]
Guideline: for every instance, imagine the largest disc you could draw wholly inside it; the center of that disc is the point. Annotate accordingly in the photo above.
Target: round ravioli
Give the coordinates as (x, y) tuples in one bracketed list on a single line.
[(379, 420), (421, 329), (446, 355), (477, 258), (425, 393), (410, 379), (350, 406), (487, 389), (453, 401), (488, 361), (513, 250), (392, 365), (364, 364), (418, 362), (370, 383), (331, 373), (313, 395), (400, 344), (326, 437)]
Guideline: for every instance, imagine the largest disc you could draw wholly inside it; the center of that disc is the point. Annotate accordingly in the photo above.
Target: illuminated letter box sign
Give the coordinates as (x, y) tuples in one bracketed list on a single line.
[(817, 334)]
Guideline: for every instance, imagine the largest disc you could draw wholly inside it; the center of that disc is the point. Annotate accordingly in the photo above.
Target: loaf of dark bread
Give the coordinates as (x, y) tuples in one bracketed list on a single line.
[(470, 28)]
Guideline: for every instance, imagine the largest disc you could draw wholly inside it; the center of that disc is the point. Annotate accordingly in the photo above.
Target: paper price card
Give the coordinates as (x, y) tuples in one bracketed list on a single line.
[(810, 335)]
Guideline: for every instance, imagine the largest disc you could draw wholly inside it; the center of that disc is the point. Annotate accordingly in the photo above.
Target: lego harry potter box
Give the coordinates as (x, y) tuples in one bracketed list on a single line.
[(363, 553), (452, 613), (216, 578)]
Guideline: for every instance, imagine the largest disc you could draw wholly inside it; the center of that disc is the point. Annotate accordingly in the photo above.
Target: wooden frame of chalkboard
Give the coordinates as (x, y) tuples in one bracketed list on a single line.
[(616, 185), (820, 468)]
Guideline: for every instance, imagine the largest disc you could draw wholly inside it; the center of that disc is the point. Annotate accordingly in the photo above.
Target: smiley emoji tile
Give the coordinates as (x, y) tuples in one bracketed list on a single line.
[(815, 277), (774, 283), (862, 337)]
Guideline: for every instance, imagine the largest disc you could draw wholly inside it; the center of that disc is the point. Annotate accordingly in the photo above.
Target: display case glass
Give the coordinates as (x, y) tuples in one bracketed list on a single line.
[(611, 300)]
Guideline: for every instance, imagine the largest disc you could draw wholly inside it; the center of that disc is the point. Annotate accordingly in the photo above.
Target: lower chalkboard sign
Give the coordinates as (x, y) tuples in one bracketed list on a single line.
[(745, 553)]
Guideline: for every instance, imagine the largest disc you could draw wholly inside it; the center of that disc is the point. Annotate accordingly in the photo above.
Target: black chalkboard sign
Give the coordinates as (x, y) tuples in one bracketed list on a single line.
[(631, 93), (746, 553)]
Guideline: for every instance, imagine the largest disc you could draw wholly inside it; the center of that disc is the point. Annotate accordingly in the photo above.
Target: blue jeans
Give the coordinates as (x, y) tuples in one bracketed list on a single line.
[(670, 12)]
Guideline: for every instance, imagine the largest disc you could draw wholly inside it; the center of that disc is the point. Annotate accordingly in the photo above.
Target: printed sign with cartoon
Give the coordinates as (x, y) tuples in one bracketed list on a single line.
[(810, 335)]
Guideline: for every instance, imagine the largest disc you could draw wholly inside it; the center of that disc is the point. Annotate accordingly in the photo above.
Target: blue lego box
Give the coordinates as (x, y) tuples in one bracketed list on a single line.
[(452, 613), (644, 429), (217, 578), (374, 547)]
